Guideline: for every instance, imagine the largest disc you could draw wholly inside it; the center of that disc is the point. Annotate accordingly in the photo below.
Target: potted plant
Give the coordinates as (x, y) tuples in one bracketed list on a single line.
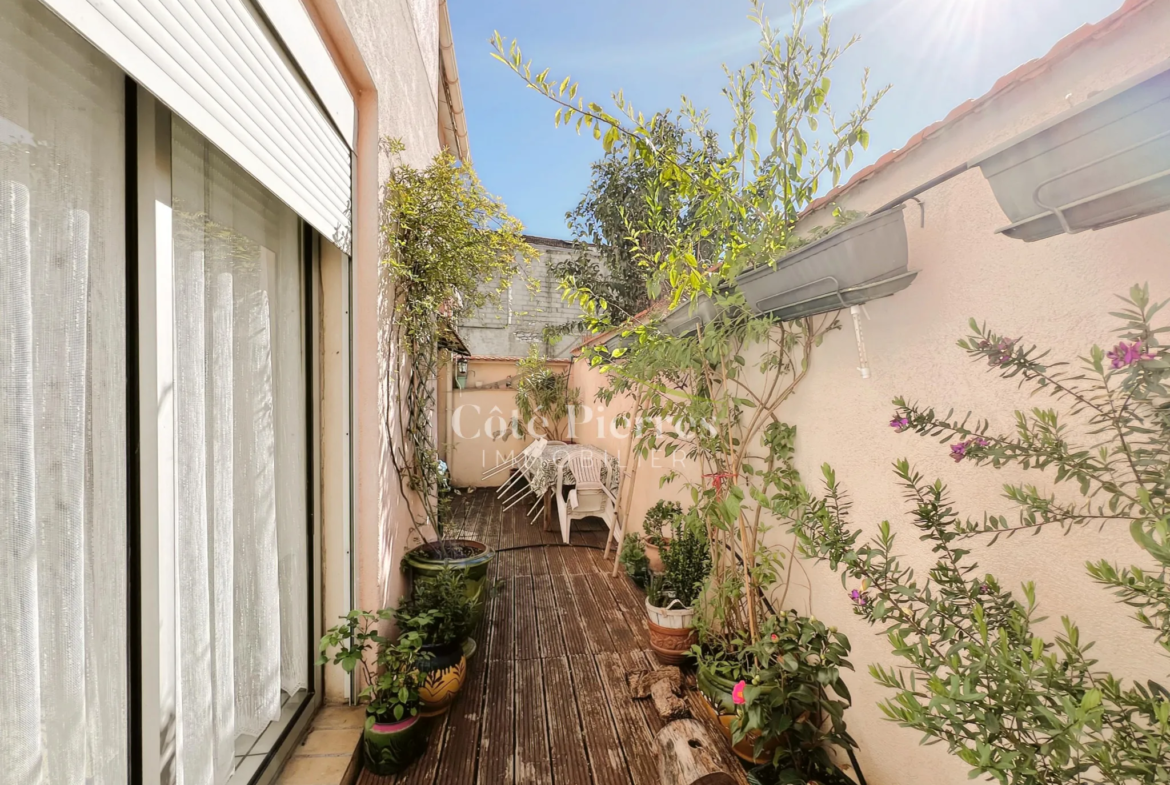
[(633, 558), (394, 733), (782, 701), (671, 596), (662, 514), (469, 558), (442, 615)]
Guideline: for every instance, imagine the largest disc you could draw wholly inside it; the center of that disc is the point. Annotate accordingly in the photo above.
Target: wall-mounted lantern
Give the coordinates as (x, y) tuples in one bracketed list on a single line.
[(461, 372)]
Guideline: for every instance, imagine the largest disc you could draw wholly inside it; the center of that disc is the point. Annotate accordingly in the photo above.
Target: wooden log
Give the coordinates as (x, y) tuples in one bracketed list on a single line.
[(667, 703), (641, 681), (688, 755)]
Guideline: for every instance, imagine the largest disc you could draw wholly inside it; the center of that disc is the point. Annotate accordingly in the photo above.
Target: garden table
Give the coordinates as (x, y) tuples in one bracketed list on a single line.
[(543, 472)]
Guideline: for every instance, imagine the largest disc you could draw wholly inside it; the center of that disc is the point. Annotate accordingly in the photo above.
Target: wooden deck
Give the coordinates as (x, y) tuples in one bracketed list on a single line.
[(545, 701)]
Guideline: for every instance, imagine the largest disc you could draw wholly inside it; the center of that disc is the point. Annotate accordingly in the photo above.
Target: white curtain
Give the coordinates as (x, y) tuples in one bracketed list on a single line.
[(62, 407), (241, 445)]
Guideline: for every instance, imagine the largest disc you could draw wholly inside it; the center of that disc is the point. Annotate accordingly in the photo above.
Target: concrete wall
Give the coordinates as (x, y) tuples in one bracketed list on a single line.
[(1054, 293), (533, 301)]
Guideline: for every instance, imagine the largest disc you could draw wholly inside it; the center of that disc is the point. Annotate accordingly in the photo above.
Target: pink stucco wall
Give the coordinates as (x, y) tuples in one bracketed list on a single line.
[(1053, 293)]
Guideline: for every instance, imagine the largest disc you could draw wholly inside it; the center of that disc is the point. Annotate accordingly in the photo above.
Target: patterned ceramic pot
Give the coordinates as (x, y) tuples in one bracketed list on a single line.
[(671, 632), (718, 693), (442, 674), (389, 747), (466, 556)]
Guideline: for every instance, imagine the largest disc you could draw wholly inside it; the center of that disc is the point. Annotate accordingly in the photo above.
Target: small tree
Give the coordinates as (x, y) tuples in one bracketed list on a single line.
[(1014, 706), (450, 247), (544, 397), (710, 211)]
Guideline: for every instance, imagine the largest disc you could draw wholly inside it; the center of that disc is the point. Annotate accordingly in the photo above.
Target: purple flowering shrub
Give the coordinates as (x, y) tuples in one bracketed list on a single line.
[(1016, 707)]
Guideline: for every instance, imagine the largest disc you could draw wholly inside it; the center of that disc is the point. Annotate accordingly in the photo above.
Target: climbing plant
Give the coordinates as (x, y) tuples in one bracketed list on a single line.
[(450, 247)]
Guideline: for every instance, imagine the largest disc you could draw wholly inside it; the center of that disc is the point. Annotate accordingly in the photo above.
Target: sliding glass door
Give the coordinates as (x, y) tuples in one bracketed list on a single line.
[(63, 371), (240, 459), (155, 577)]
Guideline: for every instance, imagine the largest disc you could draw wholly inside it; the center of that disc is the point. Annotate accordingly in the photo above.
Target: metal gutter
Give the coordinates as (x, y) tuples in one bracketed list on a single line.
[(454, 125)]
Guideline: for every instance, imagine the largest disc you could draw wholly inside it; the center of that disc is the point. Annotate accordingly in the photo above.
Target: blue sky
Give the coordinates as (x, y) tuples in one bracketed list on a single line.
[(935, 54)]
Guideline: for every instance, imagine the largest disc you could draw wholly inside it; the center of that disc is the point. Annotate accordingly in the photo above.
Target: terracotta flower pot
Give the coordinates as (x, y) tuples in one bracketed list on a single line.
[(443, 673), (671, 632), (465, 556), (720, 703), (390, 747), (654, 554)]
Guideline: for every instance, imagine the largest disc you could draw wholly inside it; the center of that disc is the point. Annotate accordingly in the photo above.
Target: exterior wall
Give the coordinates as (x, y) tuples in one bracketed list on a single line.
[(1054, 293), (388, 53), (533, 302), (480, 424)]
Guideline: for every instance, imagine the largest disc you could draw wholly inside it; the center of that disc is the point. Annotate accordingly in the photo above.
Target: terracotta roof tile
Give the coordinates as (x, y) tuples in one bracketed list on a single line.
[(1062, 48)]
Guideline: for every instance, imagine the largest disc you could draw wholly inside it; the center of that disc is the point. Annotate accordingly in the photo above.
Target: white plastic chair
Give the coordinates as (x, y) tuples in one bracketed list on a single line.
[(590, 497)]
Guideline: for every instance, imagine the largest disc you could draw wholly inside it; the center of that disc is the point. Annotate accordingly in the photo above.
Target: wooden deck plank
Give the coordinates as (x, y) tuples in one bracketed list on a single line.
[(503, 629), (602, 747), (597, 631), (533, 765), (632, 729), (624, 638), (572, 625), (498, 742), (527, 645), (569, 762), (422, 771), (457, 765), (548, 618)]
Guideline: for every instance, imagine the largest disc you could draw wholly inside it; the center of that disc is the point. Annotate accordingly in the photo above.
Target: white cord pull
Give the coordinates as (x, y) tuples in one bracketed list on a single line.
[(855, 312)]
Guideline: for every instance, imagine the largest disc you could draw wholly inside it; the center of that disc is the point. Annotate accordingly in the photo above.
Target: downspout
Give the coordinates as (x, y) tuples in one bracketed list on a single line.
[(449, 89)]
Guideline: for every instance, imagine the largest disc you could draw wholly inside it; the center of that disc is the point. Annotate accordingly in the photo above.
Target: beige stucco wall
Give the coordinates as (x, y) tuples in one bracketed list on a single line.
[(1053, 293), (396, 71)]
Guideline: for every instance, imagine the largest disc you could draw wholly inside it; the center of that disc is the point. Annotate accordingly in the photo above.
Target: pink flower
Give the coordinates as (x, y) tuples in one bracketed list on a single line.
[(1127, 354), (775, 637), (737, 693), (900, 423), (857, 597)]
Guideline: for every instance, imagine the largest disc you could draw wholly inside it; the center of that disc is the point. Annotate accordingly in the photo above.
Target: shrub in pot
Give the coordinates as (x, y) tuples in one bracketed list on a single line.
[(442, 615), (782, 700), (467, 557), (633, 559), (658, 517), (395, 733), (670, 598)]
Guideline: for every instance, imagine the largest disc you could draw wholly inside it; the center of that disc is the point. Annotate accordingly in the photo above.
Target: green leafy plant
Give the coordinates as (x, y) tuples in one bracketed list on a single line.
[(790, 692), (391, 680), (544, 397), (634, 559), (976, 675), (686, 560), (708, 218), (438, 609), (449, 247), (662, 514)]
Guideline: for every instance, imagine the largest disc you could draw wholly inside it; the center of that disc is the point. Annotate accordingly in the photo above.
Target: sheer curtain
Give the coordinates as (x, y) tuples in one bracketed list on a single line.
[(62, 407), (241, 435)]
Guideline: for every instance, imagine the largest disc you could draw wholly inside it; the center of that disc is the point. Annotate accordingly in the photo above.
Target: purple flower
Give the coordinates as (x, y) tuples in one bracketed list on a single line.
[(1001, 353), (900, 423), (857, 597), (959, 451), (985, 589), (1127, 354)]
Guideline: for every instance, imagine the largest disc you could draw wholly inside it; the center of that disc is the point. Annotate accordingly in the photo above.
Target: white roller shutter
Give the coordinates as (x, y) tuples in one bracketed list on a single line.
[(216, 64)]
